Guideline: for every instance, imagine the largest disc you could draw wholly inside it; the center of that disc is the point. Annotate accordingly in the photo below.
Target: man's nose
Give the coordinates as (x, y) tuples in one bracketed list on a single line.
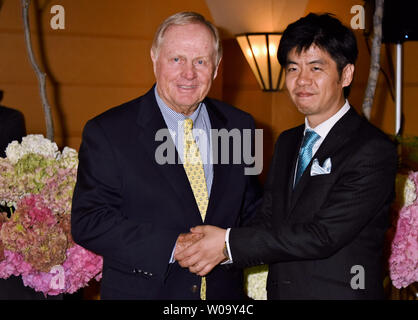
[(304, 78), (189, 71)]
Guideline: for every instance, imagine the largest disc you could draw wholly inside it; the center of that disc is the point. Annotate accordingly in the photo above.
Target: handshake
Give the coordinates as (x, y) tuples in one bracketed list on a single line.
[(201, 250)]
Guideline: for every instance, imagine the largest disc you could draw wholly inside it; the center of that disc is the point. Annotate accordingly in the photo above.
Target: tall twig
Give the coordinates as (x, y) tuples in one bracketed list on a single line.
[(39, 74), (375, 59)]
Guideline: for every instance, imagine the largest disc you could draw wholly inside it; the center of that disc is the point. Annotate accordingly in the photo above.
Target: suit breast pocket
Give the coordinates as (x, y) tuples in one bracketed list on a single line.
[(313, 197), (322, 179)]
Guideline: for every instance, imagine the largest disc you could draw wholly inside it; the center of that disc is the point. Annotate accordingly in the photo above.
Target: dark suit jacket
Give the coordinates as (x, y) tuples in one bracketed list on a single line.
[(313, 235), (130, 210), (12, 127)]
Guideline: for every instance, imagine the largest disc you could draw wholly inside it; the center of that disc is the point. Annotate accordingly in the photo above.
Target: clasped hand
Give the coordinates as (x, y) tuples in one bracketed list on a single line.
[(201, 249)]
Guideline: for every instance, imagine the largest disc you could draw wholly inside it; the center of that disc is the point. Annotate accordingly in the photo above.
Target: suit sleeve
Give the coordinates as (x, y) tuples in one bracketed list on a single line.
[(253, 191), (262, 218), (363, 189), (14, 129), (97, 220)]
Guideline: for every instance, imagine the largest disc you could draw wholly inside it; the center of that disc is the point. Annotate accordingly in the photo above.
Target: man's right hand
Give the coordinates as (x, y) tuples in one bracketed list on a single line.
[(185, 240)]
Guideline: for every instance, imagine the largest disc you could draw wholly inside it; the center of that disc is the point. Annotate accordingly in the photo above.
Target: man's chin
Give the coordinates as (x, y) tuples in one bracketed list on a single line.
[(304, 109), (186, 107)]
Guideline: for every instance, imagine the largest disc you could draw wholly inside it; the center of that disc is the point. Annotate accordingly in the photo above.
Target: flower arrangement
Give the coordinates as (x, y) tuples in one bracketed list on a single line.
[(36, 187), (403, 261), (256, 281)]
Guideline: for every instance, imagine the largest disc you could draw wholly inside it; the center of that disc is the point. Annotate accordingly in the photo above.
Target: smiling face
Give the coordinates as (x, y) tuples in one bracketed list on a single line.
[(314, 84), (185, 66)]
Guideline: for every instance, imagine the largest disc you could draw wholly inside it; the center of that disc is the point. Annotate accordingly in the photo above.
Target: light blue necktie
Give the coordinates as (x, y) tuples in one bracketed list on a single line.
[(305, 152)]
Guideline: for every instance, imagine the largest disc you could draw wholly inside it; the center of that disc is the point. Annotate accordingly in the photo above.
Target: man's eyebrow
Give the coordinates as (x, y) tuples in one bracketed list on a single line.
[(319, 61)]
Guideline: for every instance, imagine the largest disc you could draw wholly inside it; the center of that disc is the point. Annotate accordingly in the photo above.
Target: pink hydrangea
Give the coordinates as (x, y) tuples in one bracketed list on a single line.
[(403, 262), (81, 266), (78, 269), (33, 231), (32, 226), (36, 242), (13, 264)]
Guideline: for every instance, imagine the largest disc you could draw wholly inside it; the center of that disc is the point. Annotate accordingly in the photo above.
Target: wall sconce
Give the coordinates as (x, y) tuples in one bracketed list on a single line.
[(260, 50)]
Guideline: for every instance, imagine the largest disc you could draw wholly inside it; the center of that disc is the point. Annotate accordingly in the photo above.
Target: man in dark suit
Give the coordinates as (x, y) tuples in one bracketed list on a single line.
[(325, 208), (130, 206), (12, 127)]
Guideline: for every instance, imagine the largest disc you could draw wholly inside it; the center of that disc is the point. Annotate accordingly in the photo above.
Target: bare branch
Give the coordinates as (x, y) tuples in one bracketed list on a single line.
[(375, 59), (39, 74)]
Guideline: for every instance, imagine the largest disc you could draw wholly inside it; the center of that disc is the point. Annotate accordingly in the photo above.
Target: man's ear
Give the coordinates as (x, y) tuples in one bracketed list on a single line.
[(154, 60), (347, 75), (216, 69)]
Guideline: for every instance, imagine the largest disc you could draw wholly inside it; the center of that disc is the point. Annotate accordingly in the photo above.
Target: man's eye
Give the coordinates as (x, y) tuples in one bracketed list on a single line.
[(176, 59), (200, 62), (316, 68)]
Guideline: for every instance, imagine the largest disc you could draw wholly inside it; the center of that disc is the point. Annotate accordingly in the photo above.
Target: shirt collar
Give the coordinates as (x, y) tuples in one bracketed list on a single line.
[(325, 127)]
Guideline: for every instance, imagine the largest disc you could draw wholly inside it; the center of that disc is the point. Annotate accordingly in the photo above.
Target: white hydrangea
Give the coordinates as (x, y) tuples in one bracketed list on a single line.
[(14, 151), (256, 282), (69, 153), (69, 157), (33, 143), (409, 192)]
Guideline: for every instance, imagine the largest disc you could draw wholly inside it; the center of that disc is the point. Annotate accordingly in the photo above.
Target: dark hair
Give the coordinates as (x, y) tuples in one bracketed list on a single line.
[(324, 31)]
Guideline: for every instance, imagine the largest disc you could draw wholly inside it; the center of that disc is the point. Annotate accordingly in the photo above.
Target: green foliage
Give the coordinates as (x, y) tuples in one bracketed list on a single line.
[(408, 152)]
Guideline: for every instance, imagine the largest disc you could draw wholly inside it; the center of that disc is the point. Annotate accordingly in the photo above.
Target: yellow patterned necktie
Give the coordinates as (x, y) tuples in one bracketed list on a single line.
[(192, 163)]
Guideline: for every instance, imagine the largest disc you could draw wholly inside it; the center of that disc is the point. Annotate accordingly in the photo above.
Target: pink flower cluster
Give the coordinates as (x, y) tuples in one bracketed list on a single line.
[(78, 269), (403, 262), (37, 248), (33, 232), (35, 242)]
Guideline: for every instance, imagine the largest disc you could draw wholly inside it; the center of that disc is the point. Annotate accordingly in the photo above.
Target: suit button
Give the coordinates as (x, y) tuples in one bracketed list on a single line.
[(195, 288)]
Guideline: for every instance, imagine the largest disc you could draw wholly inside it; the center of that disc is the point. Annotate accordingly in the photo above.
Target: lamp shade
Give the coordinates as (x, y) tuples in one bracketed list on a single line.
[(260, 50)]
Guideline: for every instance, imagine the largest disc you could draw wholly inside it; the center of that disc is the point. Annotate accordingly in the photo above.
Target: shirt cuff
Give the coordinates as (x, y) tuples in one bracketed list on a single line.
[(227, 247), (172, 260)]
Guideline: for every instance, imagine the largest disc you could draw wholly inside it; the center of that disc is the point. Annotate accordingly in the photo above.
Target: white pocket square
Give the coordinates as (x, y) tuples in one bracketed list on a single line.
[(316, 169)]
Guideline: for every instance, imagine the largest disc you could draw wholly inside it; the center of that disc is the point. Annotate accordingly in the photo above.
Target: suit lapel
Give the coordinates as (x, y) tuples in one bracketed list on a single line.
[(221, 172), (339, 135), (150, 120), (291, 167)]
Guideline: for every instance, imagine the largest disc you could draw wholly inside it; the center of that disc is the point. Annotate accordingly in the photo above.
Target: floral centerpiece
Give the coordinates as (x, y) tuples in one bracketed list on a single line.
[(403, 261), (36, 187)]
